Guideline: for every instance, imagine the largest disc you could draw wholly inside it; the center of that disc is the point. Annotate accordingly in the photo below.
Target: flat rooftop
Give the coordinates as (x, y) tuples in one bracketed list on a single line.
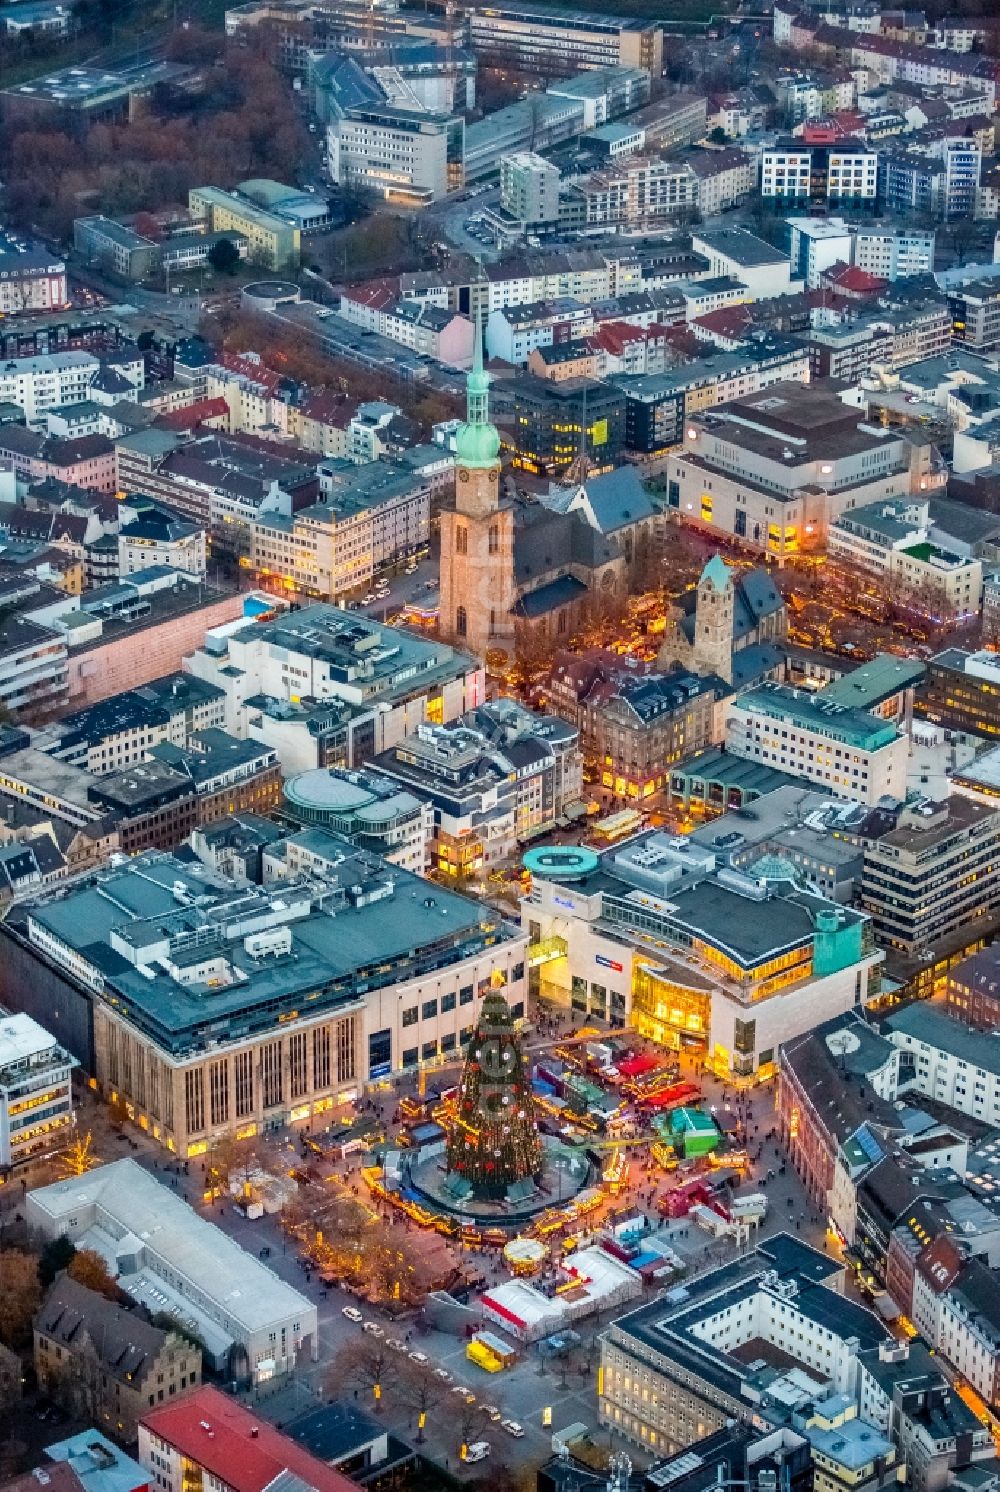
[(207, 1260), (873, 683), (812, 712)]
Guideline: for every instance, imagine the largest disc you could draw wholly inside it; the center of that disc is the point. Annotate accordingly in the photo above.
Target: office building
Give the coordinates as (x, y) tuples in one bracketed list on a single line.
[(822, 837), (557, 424), (673, 1370), (116, 247), (738, 254), (932, 884), (853, 753), (405, 155), (109, 1363), (532, 124), (772, 957), (369, 516), (540, 39), (962, 692), (272, 242), (777, 467), (973, 991), (239, 1449), (150, 535), (286, 1008), (283, 677), (975, 309), (251, 1325), (494, 779), (658, 404), (36, 1092), (896, 540), (529, 188)]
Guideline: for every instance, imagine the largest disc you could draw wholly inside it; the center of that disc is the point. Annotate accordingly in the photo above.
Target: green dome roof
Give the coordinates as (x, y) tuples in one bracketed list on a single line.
[(477, 445)]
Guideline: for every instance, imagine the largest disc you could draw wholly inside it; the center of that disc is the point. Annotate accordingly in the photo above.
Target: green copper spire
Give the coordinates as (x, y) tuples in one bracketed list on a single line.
[(477, 442)]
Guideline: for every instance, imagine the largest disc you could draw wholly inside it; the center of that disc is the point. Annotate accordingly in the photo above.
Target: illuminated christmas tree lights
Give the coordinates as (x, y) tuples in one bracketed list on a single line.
[(494, 1140)]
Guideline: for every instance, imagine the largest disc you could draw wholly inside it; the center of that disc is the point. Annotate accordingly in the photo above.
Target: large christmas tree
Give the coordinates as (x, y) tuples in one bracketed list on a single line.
[(494, 1142)]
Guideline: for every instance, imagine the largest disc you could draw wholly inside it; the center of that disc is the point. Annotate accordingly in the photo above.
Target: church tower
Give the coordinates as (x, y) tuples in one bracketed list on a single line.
[(477, 536), (712, 651)]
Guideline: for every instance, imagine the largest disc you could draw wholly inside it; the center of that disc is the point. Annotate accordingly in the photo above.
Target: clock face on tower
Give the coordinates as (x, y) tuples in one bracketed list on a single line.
[(463, 475)]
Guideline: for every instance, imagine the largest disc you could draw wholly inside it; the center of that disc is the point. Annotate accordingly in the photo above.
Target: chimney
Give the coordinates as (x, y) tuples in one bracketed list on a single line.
[(254, 1432)]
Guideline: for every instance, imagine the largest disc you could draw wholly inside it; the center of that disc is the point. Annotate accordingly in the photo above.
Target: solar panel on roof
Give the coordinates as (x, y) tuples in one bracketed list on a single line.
[(871, 1147)]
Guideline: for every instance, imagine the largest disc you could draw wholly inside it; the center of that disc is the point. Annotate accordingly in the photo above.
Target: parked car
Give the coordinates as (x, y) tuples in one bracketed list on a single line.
[(352, 1313), (477, 1451), (512, 1427)]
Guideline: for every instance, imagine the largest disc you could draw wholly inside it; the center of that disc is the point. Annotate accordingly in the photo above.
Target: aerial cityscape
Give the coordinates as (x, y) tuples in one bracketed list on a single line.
[(499, 746)]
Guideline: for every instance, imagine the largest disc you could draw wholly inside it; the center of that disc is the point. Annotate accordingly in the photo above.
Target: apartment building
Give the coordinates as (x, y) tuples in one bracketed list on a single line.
[(120, 730), (34, 672), (845, 174), (38, 384), (894, 253), (240, 1449), (540, 39), (634, 190), (272, 242), (529, 188), (851, 752), (514, 332), (36, 1092), (30, 280), (271, 1019), (105, 1363), (943, 186), (943, 1059)]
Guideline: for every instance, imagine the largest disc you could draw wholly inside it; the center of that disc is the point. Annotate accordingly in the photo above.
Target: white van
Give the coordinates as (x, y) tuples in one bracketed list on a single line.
[(478, 1450)]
